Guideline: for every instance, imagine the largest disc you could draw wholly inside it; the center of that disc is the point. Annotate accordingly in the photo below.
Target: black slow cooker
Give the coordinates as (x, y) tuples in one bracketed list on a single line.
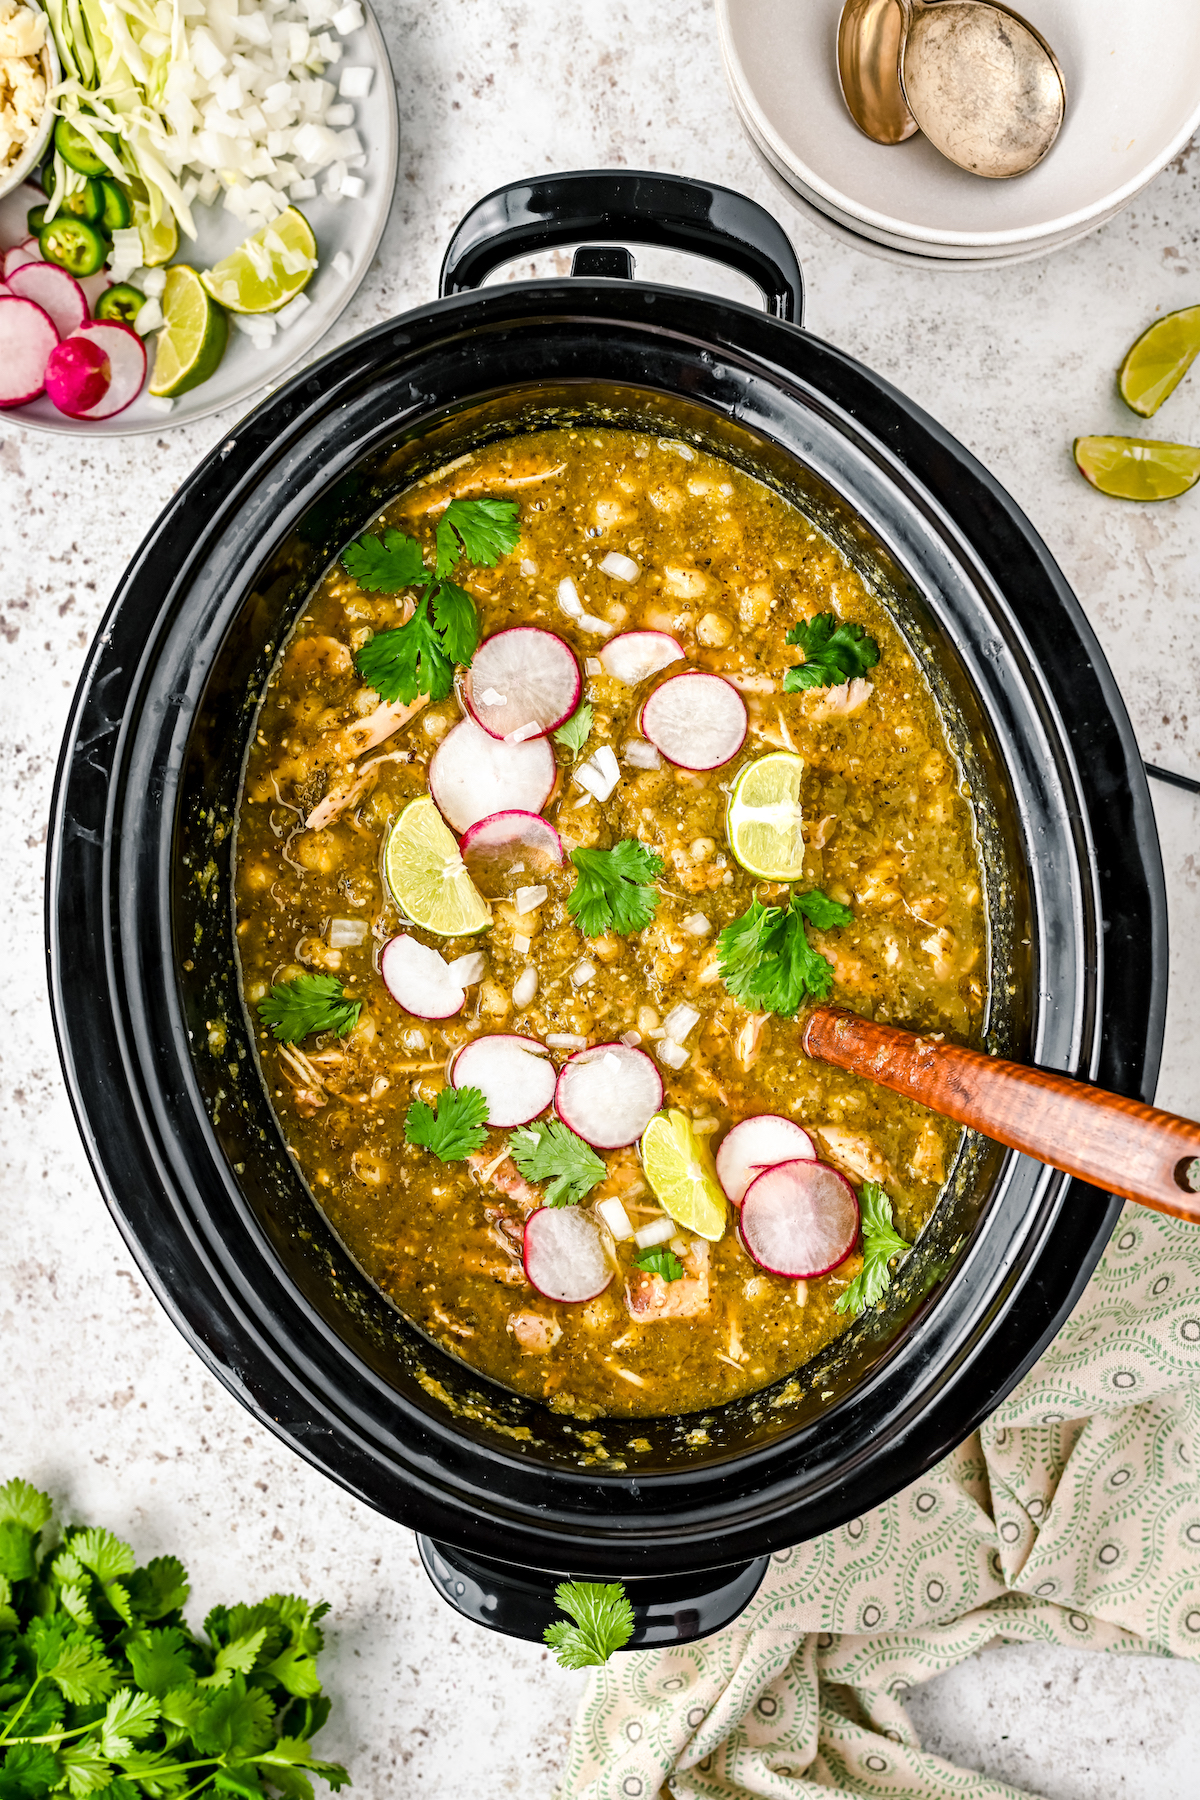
[(508, 1496)]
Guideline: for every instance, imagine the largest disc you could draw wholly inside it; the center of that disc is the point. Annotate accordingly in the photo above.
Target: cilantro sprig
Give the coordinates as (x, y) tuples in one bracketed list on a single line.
[(419, 657), (578, 728), (833, 653), (880, 1242), (104, 1689), (603, 1622), (766, 960), (295, 1009), (553, 1152), (455, 1129), (660, 1261), (610, 892)]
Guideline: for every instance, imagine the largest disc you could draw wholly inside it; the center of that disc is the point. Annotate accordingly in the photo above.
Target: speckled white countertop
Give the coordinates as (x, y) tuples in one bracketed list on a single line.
[(104, 1405)]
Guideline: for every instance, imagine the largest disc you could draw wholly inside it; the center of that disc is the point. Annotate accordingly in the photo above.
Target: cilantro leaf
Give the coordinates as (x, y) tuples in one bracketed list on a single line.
[(127, 1717), (158, 1661), (553, 1152), (578, 728), (28, 1770), (160, 1588), (236, 1722), (880, 1242), (236, 1657), (660, 1261), (295, 1671), (85, 1767), (609, 894), (454, 1130), (766, 960), (385, 565), (23, 1504), (74, 1660), (241, 1781), (484, 529), (16, 1551), (603, 1622), (407, 661), (309, 1003), (456, 622), (833, 653)]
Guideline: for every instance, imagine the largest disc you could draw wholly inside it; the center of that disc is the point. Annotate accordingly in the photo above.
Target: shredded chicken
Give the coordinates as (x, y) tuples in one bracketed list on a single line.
[(505, 1177), (928, 1160), (340, 799), (853, 1154), (748, 1043), (379, 725), (307, 1086), (535, 1333), (839, 702), (650, 1298)]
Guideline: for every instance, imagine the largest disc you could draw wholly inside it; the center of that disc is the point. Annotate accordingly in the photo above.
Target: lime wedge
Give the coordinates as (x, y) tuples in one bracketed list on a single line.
[(680, 1170), (192, 342), (1137, 468), (159, 242), (1156, 364), (427, 876), (763, 819), (268, 269)]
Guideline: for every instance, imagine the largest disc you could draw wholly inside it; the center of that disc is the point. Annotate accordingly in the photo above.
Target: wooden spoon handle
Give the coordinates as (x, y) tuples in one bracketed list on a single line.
[(1118, 1144)]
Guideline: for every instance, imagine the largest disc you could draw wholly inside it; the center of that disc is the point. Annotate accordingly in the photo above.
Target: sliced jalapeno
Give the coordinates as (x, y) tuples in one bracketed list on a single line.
[(87, 202), (75, 149), (117, 210), (35, 218), (122, 303), (74, 244)]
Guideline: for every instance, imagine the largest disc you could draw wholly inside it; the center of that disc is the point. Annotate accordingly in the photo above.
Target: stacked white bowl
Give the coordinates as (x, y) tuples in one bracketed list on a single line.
[(1133, 101)]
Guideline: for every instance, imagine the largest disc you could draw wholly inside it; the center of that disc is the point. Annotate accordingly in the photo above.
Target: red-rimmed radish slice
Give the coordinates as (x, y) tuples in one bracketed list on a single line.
[(799, 1219), (127, 355), (522, 683), (16, 258), (608, 1094), (4, 289), (514, 1075), (473, 775), (419, 980), (564, 1255), (757, 1144), (28, 337), (78, 376), (95, 285), (58, 294), (509, 844), (698, 721), (636, 655)]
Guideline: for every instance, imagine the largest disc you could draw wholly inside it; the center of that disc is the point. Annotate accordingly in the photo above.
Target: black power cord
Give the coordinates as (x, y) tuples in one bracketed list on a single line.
[(1188, 782)]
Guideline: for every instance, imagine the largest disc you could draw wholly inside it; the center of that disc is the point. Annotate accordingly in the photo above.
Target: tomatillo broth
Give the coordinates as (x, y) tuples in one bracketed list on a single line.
[(722, 565)]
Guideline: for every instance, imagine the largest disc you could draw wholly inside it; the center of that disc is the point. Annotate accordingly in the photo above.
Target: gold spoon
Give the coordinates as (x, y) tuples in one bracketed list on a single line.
[(975, 77)]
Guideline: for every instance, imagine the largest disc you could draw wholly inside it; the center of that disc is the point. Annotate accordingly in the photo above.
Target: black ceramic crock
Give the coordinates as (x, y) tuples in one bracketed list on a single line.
[(158, 1057)]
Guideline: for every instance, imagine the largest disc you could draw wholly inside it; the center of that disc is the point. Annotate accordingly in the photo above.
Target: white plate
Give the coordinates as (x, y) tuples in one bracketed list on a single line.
[(1133, 101), (354, 226)]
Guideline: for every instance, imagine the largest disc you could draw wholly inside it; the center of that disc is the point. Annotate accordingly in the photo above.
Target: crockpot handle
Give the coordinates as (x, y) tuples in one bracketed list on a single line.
[(626, 206)]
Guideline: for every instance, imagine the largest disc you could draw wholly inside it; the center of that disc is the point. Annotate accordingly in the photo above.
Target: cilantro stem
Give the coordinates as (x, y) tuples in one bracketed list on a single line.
[(6, 1734)]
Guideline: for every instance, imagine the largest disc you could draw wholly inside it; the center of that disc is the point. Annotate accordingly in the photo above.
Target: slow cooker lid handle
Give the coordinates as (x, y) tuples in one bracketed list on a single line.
[(626, 206)]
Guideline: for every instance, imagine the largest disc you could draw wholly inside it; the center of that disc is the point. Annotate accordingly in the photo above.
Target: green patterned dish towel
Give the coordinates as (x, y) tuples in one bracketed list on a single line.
[(1071, 1517)]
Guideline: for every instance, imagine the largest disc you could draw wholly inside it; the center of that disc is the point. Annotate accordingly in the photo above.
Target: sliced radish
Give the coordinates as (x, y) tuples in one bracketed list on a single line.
[(514, 1075), (127, 355), (78, 376), (95, 285), (419, 980), (564, 1255), (58, 294), (4, 289), (509, 844), (757, 1144), (697, 720), (28, 252), (28, 336), (636, 655), (473, 775), (522, 683), (799, 1219), (608, 1094)]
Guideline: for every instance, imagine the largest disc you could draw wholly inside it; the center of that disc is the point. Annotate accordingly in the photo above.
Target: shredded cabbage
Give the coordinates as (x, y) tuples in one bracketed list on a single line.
[(189, 99)]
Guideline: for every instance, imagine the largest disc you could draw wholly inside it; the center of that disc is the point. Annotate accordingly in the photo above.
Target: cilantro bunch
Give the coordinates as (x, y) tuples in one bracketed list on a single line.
[(419, 656), (105, 1691), (833, 653), (766, 960)]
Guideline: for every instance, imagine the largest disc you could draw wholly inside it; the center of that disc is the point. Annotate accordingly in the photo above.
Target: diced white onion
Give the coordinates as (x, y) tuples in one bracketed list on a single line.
[(287, 315), (355, 83), (631, 1039), (353, 187), (565, 1040), (524, 988), (679, 1021), (582, 973), (159, 403), (528, 899), (672, 1054), (348, 18), (523, 733), (341, 264), (588, 622), (658, 1231), (468, 969), (592, 665), (621, 568), (616, 1218), (600, 774), (153, 283), (696, 925), (149, 318), (338, 116), (522, 945), (528, 566), (568, 598), (640, 754), (490, 697), (345, 934), (415, 1040)]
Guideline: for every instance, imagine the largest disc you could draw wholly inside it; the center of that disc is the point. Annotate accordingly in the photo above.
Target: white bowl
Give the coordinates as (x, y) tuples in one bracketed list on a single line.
[(1133, 101), (15, 173)]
